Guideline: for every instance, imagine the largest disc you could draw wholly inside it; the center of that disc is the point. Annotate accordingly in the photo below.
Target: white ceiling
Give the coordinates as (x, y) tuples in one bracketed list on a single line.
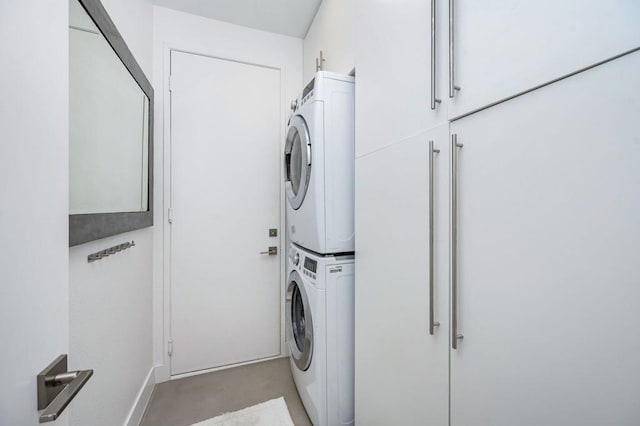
[(288, 17)]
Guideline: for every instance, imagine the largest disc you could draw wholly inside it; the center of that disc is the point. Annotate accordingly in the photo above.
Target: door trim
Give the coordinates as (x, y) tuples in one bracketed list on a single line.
[(162, 339)]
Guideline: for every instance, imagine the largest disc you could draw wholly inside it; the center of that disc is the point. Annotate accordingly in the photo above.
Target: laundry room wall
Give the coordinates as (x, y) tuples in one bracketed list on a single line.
[(111, 300), (183, 31), (331, 31)]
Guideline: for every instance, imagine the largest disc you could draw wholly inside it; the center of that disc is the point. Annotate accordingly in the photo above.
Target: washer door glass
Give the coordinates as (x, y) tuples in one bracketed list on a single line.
[(297, 319), (299, 323), (297, 159)]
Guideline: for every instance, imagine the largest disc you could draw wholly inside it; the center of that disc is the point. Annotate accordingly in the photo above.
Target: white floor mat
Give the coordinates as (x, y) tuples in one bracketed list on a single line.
[(270, 413)]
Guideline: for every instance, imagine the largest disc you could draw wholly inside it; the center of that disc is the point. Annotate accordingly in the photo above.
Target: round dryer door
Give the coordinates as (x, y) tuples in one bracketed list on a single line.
[(297, 159), (299, 323)]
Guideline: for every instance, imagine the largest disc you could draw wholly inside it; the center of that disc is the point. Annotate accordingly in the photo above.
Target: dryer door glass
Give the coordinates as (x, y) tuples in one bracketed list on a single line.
[(297, 159), (299, 323), (294, 161)]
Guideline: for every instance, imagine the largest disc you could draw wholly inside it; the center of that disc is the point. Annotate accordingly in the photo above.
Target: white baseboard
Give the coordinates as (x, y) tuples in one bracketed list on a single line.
[(163, 373), (142, 400), (224, 367)]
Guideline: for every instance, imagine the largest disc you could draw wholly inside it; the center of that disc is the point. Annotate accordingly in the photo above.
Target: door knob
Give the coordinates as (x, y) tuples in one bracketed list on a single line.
[(273, 250)]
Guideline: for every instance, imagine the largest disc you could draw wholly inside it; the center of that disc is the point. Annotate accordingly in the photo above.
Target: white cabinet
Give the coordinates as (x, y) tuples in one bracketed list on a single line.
[(393, 70), (504, 47), (402, 371), (549, 256), (547, 265)]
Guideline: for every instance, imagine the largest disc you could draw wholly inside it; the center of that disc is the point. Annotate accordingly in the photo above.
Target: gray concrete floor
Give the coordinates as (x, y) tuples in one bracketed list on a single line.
[(193, 399)]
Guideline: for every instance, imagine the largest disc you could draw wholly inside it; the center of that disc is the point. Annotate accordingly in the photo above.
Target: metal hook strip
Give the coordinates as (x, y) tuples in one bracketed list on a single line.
[(99, 255)]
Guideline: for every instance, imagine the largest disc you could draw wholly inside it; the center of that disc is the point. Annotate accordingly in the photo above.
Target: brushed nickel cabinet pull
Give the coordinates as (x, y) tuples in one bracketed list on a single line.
[(454, 242), (434, 100), (432, 322), (452, 77)]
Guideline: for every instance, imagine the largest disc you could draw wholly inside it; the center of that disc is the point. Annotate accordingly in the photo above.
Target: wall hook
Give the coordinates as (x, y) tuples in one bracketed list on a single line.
[(109, 251)]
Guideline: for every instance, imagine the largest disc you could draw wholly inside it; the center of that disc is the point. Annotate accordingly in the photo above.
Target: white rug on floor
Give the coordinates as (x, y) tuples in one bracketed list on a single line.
[(270, 413)]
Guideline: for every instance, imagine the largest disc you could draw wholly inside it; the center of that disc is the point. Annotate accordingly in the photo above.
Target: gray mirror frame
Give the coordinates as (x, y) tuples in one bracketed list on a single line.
[(84, 228)]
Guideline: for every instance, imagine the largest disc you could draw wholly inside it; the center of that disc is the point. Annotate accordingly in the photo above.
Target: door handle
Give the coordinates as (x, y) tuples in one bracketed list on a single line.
[(57, 387), (432, 323), (454, 241), (273, 250), (452, 77), (434, 100)]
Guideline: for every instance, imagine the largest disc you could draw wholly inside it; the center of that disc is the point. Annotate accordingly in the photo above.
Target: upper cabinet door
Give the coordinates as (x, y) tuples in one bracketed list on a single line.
[(504, 47), (393, 66), (402, 370), (549, 255)]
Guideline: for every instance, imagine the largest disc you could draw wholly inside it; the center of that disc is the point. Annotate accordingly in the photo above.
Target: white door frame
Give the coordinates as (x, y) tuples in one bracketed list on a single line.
[(164, 370)]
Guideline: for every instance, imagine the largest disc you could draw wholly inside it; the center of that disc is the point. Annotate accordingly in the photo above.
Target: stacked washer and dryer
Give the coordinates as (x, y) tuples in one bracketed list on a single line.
[(319, 161)]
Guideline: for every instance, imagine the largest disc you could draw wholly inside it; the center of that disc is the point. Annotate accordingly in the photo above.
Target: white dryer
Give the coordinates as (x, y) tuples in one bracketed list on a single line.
[(319, 161), (320, 334)]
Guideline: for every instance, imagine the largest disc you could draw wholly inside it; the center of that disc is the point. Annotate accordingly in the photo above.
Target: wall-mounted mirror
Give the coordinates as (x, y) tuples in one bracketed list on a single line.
[(110, 130)]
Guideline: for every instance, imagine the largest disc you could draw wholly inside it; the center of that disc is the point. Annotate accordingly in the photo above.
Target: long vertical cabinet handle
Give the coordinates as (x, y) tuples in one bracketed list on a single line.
[(434, 100), (432, 322), (452, 76), (454, 241)]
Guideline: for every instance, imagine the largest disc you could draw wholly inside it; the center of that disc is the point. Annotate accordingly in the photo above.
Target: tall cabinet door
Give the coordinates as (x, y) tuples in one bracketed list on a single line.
[(402, 371), (394, 53), (504, 47), (548, 258)]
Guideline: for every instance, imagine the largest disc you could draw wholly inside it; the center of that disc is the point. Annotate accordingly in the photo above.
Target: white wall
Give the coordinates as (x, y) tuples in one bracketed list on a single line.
[(111, 300), (182, 31), (134, 20), (33, 200), (331, 31)]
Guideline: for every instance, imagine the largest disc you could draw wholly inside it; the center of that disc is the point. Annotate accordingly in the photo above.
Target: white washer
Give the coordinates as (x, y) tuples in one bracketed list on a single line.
[(320, 334), (319, 162)]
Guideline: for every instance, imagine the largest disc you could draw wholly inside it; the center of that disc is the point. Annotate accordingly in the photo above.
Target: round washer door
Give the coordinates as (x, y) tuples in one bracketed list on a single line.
[(299, 323), (297, 160)]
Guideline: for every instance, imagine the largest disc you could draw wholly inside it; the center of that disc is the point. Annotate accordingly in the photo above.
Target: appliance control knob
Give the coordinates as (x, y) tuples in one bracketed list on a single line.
[(294, 105), (296, 259)]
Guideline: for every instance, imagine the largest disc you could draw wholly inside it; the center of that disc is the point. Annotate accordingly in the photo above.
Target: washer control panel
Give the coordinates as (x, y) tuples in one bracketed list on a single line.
[(309, 266)]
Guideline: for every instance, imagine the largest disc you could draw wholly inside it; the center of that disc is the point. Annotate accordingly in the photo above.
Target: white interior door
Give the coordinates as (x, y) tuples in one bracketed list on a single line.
[(34, 188), (549, 250), (225, 168), (503, 47), (401, 370)]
